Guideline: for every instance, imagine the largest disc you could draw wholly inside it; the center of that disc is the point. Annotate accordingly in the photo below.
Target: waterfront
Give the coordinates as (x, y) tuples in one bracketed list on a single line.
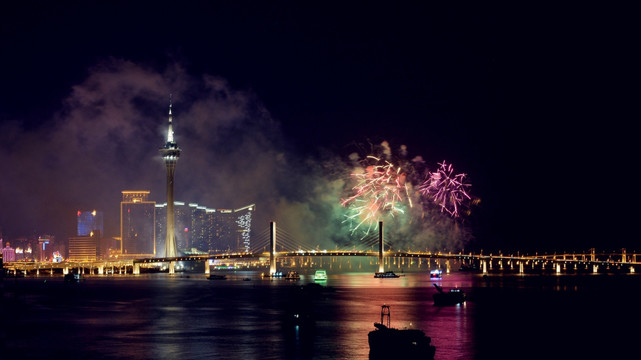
[(186, 316)]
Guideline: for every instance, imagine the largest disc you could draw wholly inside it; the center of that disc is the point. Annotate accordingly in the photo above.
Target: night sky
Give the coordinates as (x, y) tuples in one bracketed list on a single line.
[(533, 102)]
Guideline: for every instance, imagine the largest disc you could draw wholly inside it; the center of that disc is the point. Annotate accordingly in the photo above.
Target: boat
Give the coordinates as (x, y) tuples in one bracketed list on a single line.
[(436, 274), (386, 275), (466, 267), (73, 278), (217, 277), (277, 274), (320, 275), (452, 297), (386, 342), (292, 275)]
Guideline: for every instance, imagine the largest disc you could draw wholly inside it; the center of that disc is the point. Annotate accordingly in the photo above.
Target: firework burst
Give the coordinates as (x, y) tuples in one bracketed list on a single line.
[(381, 190), (445, 189)]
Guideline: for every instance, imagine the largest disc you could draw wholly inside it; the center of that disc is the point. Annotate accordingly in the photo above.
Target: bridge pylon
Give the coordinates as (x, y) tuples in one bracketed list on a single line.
[(272, 248), (381, 265)]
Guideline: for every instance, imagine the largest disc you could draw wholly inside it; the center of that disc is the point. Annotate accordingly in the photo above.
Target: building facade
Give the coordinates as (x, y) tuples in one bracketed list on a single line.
[(137, 224), (8, 253), (200, 229), (85, 248), (89, 221)]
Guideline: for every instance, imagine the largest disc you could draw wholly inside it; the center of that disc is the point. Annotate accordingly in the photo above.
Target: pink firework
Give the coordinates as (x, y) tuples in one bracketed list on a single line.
[(446, 190), (378, 191)]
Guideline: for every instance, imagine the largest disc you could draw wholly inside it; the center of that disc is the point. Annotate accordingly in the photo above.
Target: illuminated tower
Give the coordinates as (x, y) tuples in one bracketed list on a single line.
[(170, 154)]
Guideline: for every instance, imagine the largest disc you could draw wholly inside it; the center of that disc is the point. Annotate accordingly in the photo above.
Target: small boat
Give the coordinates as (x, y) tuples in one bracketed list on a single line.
[(436, 274), (217, 277), (277, 274), (386, 342), (320, 275), (452, 297), (292, 275), (386, 275), (466, 267), (73, 278)]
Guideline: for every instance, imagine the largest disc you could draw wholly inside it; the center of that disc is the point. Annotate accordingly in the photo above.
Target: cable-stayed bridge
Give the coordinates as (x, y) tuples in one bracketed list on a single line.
[(271, 246)]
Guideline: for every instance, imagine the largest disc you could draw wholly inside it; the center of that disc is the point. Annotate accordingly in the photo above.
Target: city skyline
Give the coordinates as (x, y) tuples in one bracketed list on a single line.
[(530, 103)]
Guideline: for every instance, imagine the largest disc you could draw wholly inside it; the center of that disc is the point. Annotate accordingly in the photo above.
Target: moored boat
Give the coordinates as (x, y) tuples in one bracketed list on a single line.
[(452, 297), (386, 342), (386, 274), (217, 277), (292, 275), (73, 278)]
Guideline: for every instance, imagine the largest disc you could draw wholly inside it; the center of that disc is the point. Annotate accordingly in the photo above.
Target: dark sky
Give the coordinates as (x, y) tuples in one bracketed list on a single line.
[(533, 102)]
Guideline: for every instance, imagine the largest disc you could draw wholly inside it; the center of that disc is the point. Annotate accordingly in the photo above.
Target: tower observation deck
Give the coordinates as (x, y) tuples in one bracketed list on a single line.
[(170, 154)]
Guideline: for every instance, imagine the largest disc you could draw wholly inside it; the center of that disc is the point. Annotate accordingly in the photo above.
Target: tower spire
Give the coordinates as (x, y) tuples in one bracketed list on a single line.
[(170, 130)]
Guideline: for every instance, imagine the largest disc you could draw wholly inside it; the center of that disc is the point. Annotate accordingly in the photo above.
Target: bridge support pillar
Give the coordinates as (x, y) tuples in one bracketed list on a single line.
[(381, 266), (558, 268), (65, 270), (521, 268), (136, 269), (37, 271), (623, 256), (447, 266), (172, 267), (272, 247), (631, 269), (101, 270), (207, 270), (484, 266), (595, 268)]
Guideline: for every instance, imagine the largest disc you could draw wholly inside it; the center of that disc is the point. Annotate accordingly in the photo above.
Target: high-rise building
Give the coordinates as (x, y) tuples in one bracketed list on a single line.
[(201, 229), (243, 230), (45, 248), (8, 253), (170, 154), (137, 224), (89, 221), (85, 248)]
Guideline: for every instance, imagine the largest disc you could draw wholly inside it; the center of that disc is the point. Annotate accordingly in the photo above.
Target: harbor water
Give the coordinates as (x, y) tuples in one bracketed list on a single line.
[(158, 316)]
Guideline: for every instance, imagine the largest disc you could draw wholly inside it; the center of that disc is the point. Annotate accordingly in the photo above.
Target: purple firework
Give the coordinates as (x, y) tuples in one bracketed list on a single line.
[(445, 189)]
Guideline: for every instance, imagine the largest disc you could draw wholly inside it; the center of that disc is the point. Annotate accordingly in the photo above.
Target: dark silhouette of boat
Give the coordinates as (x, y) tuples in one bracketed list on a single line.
[(292, 275), (217, 277), (385, 275), (386, 342), (72, 278), (466, 267), (452, 297)]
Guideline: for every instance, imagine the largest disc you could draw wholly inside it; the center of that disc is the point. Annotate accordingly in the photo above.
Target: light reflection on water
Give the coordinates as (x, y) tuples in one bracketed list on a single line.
[(167, 317)]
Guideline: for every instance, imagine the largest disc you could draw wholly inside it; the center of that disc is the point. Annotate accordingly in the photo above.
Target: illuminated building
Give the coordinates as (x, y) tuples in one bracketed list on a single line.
[(170, 154), (89, 221), (45, 248), (85, 248), (201, 229), (137, 224), (8, 253), (244, 222)]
